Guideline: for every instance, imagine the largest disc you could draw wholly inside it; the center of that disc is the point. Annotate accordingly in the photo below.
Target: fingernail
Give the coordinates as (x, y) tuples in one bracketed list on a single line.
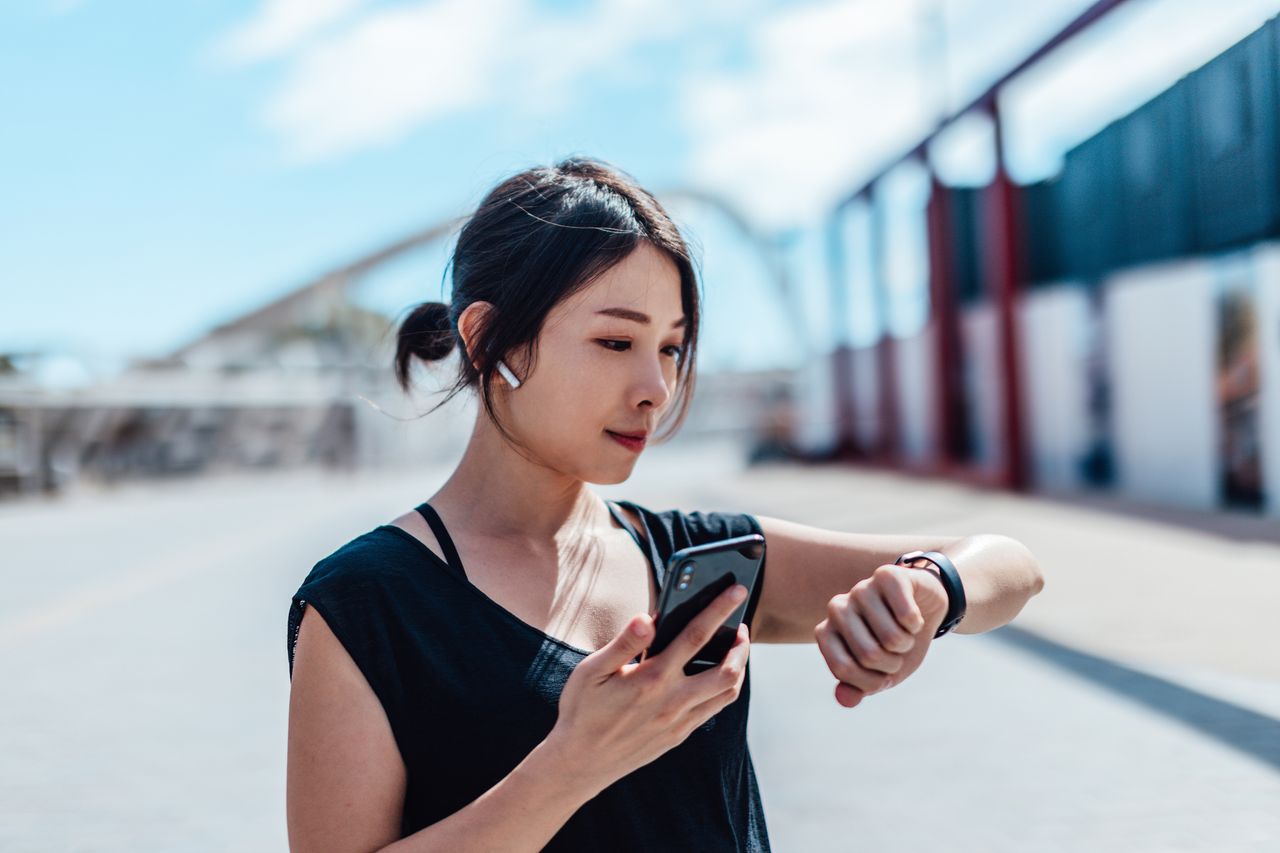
[(738, 593), (639, 628)]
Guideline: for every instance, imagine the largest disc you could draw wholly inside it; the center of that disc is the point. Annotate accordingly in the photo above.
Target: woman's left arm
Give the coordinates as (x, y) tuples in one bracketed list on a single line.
[(872, 620)]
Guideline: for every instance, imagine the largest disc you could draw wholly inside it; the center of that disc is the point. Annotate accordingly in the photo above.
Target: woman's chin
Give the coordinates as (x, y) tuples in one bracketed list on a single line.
[(611, 475)]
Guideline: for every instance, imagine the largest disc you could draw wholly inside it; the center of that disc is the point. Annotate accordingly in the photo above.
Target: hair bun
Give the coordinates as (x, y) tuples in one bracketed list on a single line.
[(426, 333)]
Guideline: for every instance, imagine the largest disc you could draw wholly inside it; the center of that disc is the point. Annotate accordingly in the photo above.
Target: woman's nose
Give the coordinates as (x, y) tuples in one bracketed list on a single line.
[(653, 385)]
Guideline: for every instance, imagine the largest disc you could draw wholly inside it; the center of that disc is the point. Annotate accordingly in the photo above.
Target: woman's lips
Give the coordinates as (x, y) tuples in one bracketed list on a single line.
[(636, 444)]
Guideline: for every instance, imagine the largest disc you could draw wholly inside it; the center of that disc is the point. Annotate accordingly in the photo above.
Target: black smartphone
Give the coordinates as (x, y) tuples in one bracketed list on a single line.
[(694, 577)]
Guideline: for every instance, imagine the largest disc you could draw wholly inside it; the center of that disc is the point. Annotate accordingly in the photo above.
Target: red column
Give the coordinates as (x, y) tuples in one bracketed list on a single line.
[(842, 354), (1006, 268), (887, 396), (942, 316)]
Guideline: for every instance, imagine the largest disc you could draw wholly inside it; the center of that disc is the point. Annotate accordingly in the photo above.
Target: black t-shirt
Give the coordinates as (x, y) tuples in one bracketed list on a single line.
[(470, 689)]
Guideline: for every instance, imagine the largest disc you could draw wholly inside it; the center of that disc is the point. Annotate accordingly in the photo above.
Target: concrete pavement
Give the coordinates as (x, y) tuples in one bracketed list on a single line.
[(1133, 706)]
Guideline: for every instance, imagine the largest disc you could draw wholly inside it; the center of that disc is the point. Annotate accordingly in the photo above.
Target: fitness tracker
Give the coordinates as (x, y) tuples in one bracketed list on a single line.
[(950, 581)]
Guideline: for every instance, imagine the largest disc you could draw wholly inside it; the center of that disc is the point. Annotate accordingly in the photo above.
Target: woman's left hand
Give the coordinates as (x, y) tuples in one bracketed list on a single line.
[(877, 634)]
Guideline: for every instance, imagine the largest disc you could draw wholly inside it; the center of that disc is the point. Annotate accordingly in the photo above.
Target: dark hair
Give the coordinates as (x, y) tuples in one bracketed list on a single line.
[(536, 239)]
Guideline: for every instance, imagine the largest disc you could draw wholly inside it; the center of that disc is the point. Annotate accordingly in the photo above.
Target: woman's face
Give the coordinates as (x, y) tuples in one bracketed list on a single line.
[(607, 361)]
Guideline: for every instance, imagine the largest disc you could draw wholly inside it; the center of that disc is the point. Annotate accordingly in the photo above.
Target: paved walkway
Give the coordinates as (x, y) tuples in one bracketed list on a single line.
[(1135, 704)]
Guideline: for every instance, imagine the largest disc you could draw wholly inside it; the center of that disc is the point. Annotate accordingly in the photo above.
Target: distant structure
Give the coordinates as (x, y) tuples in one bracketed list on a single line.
[(304, 380), (1116, 326)]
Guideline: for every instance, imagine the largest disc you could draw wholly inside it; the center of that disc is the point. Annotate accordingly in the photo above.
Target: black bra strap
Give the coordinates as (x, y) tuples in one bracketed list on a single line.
[(455, 562), (442, 536), (655, 560)]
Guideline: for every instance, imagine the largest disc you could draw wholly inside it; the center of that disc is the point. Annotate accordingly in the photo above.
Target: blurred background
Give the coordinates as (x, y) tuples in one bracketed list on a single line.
[(968, 266)]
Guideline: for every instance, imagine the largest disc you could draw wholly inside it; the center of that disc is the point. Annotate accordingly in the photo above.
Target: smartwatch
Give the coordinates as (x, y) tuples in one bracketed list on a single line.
[(950, 581)]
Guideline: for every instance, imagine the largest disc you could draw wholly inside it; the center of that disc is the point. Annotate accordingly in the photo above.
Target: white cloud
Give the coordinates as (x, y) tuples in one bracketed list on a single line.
[(280, 26), (382, 73), (832, 93), (556, 50), (830, 90), (387, 73)]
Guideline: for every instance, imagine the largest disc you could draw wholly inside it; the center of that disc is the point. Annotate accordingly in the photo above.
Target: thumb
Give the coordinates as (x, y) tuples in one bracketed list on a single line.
[(930, 595), (622, 649)]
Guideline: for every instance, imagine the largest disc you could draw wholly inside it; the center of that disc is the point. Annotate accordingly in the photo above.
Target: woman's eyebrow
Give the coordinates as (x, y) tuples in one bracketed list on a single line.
[(635, 316)]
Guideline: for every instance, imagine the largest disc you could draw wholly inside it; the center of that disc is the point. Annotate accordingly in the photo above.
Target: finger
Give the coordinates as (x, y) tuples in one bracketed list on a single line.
[(630, 641), (901, 598), (702, 628), (864, 646), (844, 667), (740, 649), (723, 684), (848, 696), (708, 708), (891, 635), (731, 670)]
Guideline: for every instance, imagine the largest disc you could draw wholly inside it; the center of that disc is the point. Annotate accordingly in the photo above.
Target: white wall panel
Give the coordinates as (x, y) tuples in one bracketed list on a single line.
[(979, 335), (1161, 332), (1054, 325), (1267, 282), (917, 395), (866, 396), (815, 424)]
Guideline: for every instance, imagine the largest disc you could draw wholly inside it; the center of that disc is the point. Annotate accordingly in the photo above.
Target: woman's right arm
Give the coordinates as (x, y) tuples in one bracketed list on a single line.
[(346, 779)]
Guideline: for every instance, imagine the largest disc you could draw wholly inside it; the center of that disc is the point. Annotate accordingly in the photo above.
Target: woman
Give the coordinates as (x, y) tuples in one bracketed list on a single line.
[(500, 705)]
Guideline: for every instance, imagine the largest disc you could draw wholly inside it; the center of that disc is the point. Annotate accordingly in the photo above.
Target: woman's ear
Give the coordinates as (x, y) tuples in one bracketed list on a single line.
[(471, 327)]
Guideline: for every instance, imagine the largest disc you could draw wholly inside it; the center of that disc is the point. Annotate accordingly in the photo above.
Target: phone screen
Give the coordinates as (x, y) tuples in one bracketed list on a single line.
[(694, 577)]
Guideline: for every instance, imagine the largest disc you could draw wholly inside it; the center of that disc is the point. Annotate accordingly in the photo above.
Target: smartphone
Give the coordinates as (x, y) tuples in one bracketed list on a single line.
[(694, 577)]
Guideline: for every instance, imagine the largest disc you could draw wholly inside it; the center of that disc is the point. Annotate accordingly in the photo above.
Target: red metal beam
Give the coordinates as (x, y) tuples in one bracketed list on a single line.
[(985, 101)]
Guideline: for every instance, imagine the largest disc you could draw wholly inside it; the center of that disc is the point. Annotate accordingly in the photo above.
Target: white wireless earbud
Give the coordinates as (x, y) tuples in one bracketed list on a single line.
[(508, 375)]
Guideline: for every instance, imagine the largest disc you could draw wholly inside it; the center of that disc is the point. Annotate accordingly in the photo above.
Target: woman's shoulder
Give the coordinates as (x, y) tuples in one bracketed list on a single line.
[(378, 556), (679, 528), (372, 584)]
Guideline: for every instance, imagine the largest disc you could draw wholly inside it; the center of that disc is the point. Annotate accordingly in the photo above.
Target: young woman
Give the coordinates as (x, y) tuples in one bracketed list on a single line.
[(465, 677)]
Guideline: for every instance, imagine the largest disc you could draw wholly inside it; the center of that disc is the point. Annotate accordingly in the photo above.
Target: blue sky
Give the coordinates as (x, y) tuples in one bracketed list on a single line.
[(166, 166)]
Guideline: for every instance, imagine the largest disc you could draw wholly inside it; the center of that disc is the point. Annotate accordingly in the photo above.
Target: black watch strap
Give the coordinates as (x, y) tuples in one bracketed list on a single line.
[(950, 582)]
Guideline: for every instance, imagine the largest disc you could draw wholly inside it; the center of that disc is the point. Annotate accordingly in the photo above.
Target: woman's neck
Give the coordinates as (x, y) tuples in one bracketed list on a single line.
[(496, 491)]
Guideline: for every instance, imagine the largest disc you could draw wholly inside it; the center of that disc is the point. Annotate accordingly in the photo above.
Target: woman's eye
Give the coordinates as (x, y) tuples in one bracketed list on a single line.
[(675, 350)]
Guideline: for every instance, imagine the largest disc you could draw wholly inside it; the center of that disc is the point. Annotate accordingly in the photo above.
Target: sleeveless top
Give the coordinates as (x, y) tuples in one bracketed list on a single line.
[(470, 689)]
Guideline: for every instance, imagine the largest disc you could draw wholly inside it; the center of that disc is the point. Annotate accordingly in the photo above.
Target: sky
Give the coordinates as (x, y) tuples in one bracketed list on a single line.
[(165, 167)]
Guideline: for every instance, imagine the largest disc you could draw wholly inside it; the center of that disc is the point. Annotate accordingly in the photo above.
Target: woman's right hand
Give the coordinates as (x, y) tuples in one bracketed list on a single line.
[(616, 715)]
